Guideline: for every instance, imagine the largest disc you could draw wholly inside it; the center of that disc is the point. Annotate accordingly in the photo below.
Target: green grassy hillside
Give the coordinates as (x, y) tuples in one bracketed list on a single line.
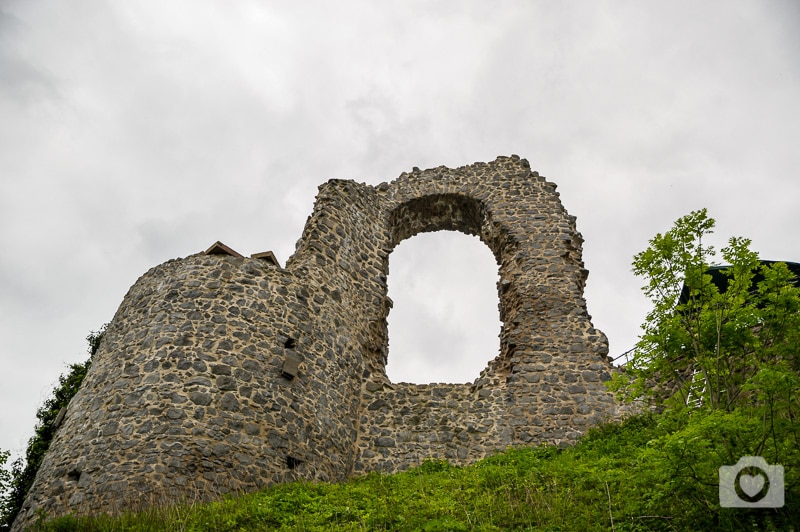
[(653, 472)]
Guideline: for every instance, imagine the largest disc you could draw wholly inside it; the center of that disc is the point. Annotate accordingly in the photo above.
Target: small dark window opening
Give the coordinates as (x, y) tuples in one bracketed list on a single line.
[(74, 475), (292, 462), (290, 343)]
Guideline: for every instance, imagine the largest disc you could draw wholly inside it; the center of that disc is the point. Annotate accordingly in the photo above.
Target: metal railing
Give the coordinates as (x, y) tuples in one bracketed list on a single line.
[(627, 355)]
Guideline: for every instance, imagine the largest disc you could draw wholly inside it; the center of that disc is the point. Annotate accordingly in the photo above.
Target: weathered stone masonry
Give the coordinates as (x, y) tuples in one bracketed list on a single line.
[(194, 392)]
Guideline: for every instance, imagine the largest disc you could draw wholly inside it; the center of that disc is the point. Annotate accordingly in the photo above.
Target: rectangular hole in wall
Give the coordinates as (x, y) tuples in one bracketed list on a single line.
[(292, 462)]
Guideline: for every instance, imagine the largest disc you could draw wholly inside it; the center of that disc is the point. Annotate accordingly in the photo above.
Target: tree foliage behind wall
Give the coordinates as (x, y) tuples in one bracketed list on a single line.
[(23, 470), (711, 335), (722, 342), (719, 358)]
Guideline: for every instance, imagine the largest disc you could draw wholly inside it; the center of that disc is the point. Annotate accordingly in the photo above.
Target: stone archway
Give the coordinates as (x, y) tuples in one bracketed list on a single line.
[(546, 382), (426, 213)]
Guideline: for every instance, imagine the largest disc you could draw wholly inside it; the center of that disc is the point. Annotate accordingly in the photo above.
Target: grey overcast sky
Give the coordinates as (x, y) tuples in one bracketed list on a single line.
[(135, 132)]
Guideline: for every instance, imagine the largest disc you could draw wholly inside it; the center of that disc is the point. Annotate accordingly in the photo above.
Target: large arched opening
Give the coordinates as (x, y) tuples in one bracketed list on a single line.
[(444, 325)]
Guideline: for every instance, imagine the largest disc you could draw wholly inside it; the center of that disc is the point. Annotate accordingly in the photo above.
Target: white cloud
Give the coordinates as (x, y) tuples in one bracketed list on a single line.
[(135, 132), (445, 323)]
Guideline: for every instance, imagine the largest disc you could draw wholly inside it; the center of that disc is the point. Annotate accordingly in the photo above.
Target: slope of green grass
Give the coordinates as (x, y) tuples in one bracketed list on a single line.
[(649, 473)]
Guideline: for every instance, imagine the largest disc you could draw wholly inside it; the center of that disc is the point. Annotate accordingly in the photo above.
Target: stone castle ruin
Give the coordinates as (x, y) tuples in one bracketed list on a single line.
[(221, 373)]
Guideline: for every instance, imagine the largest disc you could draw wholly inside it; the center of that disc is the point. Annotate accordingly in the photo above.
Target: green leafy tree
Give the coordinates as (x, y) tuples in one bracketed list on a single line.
[(719, 354), (714, 330), (5, 476), (23, 471)]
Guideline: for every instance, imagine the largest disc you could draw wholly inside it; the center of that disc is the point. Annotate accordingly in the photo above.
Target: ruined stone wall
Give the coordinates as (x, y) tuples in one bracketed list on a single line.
[(189, 397)]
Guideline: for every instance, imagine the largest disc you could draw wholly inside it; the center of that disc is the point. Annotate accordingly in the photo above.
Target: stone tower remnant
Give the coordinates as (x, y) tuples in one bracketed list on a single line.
[(221, 373)]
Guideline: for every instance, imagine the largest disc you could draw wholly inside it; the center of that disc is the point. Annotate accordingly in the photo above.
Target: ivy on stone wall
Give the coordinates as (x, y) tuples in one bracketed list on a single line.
[(49, 415)]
